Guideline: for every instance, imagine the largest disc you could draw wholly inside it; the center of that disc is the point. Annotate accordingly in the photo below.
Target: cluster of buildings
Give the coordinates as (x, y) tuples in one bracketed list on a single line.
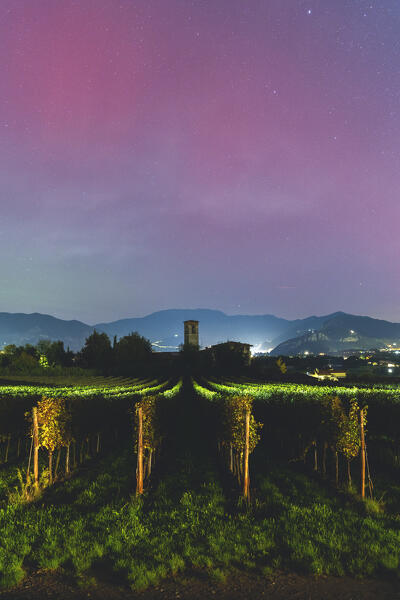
[(215, 352)]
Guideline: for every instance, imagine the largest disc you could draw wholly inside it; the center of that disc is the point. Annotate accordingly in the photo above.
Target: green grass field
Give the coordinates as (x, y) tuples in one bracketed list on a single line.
[(191, 515)]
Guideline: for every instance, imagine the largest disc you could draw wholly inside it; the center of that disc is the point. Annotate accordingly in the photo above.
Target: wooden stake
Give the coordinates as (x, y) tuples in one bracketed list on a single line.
[(324, 459), (28, 471), (7, 447), (35, 447), (50, 467), (246, 457), (139, 470), (349, 473), (67, 460), (315, 456), (336, 468), (57, 462), (362, 454)]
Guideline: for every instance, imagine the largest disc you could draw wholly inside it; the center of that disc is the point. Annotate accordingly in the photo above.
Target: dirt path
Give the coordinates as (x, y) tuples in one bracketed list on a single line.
[(59, 586)]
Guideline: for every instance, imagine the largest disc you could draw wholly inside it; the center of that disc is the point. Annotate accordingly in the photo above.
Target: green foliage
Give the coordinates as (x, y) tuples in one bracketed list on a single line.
[(151, 433), (349, 437), (131, 353), (54, 420), (91, 518), (55, 353), (96, 353), (235, 409), (43, 362), (281, 365)]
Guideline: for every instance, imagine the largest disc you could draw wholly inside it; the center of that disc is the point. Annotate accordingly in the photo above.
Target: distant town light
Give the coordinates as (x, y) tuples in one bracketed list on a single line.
[(257, 348), (306, 353), (352, 331), (390, 370)]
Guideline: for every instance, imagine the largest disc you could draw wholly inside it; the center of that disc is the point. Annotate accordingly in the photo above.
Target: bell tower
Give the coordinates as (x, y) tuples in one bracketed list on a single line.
[(191, 333)]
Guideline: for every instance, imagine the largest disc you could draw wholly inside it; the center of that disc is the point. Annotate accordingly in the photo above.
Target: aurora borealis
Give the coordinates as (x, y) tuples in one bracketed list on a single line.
[(232, 154)]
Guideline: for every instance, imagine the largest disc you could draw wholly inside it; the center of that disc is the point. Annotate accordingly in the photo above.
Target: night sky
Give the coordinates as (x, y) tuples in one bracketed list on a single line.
[(242, 155)]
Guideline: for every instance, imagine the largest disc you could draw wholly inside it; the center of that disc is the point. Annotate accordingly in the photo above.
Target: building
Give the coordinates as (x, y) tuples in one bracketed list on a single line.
[(191, 333), (328, 374), (235, 354)]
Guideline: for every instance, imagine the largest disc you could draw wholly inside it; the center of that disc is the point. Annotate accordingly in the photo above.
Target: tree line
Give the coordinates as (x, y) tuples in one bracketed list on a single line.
[(130, 355)]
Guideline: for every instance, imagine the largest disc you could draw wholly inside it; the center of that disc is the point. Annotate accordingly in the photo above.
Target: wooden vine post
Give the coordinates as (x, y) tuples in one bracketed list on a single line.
[(35, 446), (139, 469), (246, 483), (362, 453)]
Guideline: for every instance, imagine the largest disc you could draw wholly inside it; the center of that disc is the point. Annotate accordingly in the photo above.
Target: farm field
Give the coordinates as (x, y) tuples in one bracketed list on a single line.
[(191, 527)]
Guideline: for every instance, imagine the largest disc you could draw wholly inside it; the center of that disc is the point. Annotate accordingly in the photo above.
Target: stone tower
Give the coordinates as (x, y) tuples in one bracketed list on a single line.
[(191, 333)]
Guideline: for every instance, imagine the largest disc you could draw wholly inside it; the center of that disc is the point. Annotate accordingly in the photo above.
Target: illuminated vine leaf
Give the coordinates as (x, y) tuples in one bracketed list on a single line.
[(234, 422)]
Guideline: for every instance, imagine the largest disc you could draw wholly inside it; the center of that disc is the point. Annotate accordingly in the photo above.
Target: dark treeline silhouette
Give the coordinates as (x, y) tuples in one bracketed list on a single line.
[(131, 355)]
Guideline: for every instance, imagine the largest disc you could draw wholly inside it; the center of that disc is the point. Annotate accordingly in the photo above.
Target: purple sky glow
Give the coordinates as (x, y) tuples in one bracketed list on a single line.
[(234, 154)]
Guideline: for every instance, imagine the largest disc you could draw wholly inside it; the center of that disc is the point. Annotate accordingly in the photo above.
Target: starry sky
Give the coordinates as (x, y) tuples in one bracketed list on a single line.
[(241, 155)]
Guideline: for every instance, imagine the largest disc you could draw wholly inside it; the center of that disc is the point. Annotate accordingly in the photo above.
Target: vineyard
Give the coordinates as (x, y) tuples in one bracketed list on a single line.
[(143, 478)]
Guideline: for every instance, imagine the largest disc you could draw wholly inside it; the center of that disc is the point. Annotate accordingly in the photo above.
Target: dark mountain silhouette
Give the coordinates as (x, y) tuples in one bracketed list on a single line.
[(330, 333), (21, 329), (341, 332), (165, 328)]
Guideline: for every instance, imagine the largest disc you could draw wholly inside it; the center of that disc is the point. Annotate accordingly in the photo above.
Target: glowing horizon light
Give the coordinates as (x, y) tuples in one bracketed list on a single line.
[(256, 348)]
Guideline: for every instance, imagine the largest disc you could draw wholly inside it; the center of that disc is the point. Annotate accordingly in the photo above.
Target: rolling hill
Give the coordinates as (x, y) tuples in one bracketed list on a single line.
[(330, 333)]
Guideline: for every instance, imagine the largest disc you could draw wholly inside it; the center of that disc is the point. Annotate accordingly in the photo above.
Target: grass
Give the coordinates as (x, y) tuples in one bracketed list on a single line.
[(93, 524), (320, 532)]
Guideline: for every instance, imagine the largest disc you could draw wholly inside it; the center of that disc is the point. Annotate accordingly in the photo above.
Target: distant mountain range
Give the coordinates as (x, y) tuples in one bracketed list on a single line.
[(339, 332), (331, 333)]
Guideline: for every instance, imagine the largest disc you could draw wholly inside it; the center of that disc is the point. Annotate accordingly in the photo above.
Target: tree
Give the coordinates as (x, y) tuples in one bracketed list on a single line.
[(230, 357), (96, 353), (131, 353), (24, 363), (55, 353)]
